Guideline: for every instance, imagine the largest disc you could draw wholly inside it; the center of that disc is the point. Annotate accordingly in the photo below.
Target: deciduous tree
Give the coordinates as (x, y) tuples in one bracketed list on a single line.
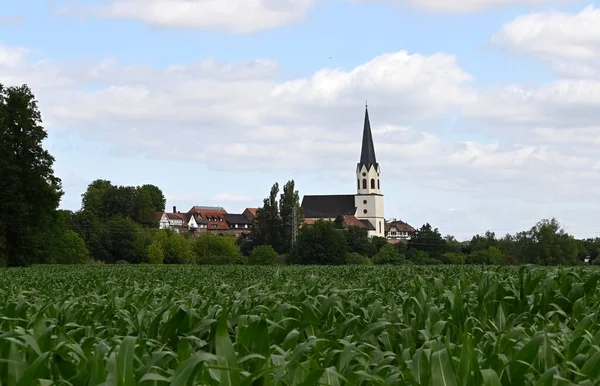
[(30, 190)]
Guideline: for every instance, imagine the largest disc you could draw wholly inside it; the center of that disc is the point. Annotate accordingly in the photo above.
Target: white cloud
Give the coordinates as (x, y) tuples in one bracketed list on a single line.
[(470, 6), (237, 16), (248, 16), (571, 42), (242, 117)]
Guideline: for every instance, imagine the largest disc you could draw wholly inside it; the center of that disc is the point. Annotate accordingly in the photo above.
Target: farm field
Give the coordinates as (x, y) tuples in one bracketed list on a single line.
[(234, 325)]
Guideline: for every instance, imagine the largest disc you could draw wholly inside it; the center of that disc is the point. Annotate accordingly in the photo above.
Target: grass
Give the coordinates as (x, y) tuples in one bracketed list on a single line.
[(231, 325)]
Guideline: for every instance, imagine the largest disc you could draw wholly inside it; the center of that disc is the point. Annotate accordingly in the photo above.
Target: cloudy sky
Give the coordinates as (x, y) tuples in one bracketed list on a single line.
[(486, 113)]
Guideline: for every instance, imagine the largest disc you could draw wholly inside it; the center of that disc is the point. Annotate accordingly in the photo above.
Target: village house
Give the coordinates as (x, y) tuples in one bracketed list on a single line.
[(208, 219), (397, 231)]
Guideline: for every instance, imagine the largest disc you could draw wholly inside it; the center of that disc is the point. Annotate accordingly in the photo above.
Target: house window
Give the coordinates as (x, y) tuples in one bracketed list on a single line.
[(236, 225), (372, 183), (358, 184), (364, 183), (365, 211), (365, 202), (246, 226), (379, 226), (378, 184)]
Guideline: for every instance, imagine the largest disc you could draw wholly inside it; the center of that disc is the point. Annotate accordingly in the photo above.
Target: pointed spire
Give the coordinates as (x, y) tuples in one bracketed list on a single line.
[(367, 153)]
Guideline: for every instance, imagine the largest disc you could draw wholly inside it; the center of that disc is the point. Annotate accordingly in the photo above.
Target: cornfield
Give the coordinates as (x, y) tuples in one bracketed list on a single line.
[(352, 325)]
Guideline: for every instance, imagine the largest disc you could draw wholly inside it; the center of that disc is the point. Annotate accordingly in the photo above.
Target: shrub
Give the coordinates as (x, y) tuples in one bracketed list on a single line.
[(263, 255), (453, 258), (357, 259), (388, 254), (320, 243), (70, 248), (213, 249)]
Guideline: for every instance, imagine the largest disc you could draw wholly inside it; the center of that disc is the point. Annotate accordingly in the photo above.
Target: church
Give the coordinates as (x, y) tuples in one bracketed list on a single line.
[(363, 209)]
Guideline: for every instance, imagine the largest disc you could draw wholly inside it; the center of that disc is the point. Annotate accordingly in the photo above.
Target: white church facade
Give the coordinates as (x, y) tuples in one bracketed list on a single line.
[(363, 209)]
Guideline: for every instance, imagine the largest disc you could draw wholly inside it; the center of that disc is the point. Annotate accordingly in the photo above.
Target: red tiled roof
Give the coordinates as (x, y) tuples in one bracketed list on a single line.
[(176, 216), (353, 221), (401, 226), (252, 211), (210, 215)]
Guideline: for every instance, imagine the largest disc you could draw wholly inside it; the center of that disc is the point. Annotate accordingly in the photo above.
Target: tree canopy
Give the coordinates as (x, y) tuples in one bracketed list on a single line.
[(30, 190)]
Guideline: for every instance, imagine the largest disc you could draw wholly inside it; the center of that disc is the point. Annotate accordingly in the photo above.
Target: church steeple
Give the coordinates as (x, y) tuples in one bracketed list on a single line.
[(369, 200), (367, 169), (367, 153)]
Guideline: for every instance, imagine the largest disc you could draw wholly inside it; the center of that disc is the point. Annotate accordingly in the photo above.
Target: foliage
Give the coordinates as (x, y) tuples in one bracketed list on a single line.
[(354, 258), (266, 227), (490, 255), (30, 190), (428, 239), (120, 237), (388, 254), (69, 248), (358, 241), (320, 243), (263, 255), (213, 249), (353, 325), (290, 199), (453, 258), (377, 243), (139, 203), (170, 247)]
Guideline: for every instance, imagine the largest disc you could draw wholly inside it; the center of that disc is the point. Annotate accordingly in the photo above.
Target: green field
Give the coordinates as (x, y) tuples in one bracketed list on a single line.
[(128, 325)]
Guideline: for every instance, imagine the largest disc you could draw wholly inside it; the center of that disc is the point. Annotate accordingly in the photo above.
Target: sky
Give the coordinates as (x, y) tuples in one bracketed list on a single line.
[(485, 113)]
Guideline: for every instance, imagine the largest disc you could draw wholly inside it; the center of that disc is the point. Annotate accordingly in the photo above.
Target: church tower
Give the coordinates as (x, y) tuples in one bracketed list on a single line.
[(369, 200)]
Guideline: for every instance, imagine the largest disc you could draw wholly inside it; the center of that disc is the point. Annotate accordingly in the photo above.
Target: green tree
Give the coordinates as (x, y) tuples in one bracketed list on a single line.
[(143, 239), (377, 242), (358, 241), (483, 242), (69, 248), (266, 229), (353, 258), (119, 239), (263, 255), (93, 199), (388, 255), (156, 253), (94, 233), (213, 249), (453, 258), (547, 243), (178, 249), (428, 240), (339, 222), (30, 190), (290, 199), (157, 196), (490, 255), (320, 243)]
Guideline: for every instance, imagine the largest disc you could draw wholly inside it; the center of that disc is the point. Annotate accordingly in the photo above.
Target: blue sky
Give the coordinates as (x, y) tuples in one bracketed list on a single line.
[(484, 111)]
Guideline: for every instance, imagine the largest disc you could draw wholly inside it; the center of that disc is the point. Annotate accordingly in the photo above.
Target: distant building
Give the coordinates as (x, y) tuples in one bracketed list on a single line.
[(397, 231), (208, 219), (363, 209)]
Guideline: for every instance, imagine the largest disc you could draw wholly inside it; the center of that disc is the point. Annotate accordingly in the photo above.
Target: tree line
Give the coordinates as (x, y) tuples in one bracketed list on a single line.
[(118, 224)]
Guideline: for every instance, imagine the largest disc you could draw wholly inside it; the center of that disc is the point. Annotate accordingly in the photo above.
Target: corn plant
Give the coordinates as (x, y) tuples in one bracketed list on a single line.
[(348, 325)]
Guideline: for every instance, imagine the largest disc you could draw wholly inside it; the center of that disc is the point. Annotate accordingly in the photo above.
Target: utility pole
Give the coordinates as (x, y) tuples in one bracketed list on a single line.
[(294, 224)]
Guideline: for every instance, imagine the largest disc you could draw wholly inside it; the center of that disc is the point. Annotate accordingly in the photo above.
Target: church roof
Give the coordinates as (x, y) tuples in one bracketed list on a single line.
[(328, 206), (367, 153), (368, 225)]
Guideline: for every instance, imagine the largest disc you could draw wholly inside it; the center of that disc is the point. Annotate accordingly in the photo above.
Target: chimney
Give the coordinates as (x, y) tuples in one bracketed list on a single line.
[(174, 209)]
